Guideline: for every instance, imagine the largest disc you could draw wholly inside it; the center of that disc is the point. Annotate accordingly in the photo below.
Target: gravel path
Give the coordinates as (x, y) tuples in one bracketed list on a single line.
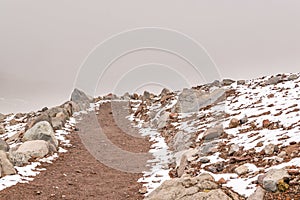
[(78, 175)]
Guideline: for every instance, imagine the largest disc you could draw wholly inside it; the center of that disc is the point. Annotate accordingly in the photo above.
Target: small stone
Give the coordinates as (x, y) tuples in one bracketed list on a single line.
[(2, 129), (266, 123), (222, 181), (233, 148), (241, 170), (173, 115), (293, 171), (214, 132), (269, 149), (204, 160), (278, 159), (234, 122), (258, 194), (282, 154), (260, 144), (244, 120), (241, 82), (143, 190)]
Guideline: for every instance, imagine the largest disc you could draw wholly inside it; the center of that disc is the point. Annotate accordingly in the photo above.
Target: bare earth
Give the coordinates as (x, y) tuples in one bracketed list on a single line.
[(78, 175)]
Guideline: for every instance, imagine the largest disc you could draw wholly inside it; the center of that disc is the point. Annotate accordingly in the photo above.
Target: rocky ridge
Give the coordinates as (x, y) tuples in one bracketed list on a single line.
[(222, 140)]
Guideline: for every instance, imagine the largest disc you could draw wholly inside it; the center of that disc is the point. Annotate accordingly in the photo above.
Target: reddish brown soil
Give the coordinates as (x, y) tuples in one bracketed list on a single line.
[(78, 175)]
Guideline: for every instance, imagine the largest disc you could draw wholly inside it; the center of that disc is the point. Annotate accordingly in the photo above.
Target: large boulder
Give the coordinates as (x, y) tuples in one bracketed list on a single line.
[(272, 177), (7, 167), (34, 148), (188, 188), (34, 120), (41, 131), (191, 100), (81, 99)]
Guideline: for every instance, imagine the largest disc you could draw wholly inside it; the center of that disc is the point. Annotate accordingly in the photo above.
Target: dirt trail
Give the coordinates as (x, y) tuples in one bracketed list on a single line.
[(78, 175)]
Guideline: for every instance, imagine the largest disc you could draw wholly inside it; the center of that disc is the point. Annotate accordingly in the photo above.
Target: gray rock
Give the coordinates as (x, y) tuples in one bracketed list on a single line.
[(34, 148), (213, 133), (244, 120), (2, 117), (241, 82), (217, 194), (52, 112), (18, 159), (216, 83), (41, 131), (59, 120), (188, 188), (7, 167), (126, 96), (181, 141), (191, 100), (2, 129), (71, 106), (42, 117), (146, 95), (227, 82), (81, 99), (182, 166), (282, 154), (269, 149), (162, 121), (3, 145), (258, 194), (272, 81), (204, 160), (164, 92), (292, 77), (233, 148), (207, 147), (57, 123), (272, 177), (241, 170)]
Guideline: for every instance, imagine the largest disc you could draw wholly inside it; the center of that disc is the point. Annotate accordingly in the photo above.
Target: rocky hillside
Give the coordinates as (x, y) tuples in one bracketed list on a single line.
[(222, 140), (229, 139)]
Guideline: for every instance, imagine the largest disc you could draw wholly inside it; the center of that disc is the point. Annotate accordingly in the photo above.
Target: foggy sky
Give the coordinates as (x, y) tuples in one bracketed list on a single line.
[(44, 43)]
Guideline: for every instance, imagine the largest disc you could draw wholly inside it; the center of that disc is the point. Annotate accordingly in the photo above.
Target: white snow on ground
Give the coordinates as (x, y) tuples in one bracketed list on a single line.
[(159, 171), (27, 173), (252, 101)]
